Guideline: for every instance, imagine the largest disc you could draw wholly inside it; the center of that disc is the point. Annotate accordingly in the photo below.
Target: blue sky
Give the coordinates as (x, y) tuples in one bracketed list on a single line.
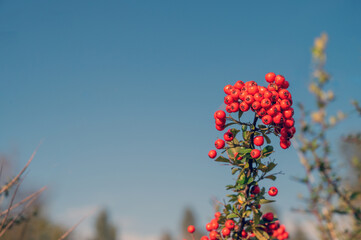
[(123, 94)]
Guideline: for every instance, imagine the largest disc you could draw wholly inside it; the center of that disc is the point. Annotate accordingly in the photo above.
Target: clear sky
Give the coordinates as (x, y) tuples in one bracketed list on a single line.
[(123, 94)]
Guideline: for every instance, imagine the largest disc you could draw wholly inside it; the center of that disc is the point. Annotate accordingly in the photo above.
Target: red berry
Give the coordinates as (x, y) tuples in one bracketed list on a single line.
[(268, 216), (249, 99), (220, 121), (204, 238), (229, 224), (220, 114), (228, 99), (279, 80), (256, 105), (226, 232), (262, 112), (244, 107), (255, 189), (285, 84), (244, 234), (285, 144), (238, 85), (209, 227), (266, 103), (284, 94), (219, 143), (285, 104), (255, 153), (214, 224), (220, 127), (273, 191), (227, 89), (191, 229), (270, 77), (258, 97), (234, 107), (253, 90), (289, 123), (288, 113), (267, 119), (213, 235), (235, 94), (212, 154), (228, 109), (217, 215), (278, 119), (258, 141)]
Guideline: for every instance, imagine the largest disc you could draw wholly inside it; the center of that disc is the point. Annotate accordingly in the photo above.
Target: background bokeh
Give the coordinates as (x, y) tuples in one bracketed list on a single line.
[(122, 96)]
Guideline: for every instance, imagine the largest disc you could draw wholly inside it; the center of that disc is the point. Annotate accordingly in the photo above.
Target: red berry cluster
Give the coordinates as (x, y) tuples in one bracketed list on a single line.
[(274, 229), (273, 104)]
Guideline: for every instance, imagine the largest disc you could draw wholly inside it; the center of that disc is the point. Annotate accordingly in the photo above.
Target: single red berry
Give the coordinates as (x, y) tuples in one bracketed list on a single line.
[(228, 99), (272, 87), (221, 121), (229, 224), (285, 84), (272, 191), (266, 103), (220, 114), (238, 85), (255, 153), (285, 144), (288, 113), (278, 119), (274, 225), (244, 107), (250, 84), (267, 94), (213, 235), (244, 234), (255, 189), (228, 109), (227, 89), (272, 111), (212, 154), (279, 80), (253, 90), (293, 130), (235, 94), (256, 105), (243, 95), (219, 143), (258, 141), (267, 119), (226, 232), (285, 104), (214, 224), (258, 97), (217, 215), (204, 238), (220, 127), (249, 99), (191, 229), (209, 227), (284, 94), (268, 216), (270, 77), (289, 123), (262, 112), (234, 107)]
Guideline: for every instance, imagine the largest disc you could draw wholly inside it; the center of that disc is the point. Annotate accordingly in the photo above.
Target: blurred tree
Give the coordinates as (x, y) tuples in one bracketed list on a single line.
[(189, 219), (104, 229), (35, 226), (166, 236)]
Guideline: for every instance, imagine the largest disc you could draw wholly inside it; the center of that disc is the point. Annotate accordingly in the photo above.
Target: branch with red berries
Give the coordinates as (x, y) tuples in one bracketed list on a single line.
[(243, 149)]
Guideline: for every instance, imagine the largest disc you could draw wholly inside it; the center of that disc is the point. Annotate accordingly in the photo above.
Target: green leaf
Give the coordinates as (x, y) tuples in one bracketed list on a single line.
[(268, 140), (264, 201), (234, 170), (242, 179), (246, 213), (232, 215), (267, 150), (262, 167), (240, 113), (249, 180), (273, 177), (260, 234), (271, 166), (222, 159), (354, 195)]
